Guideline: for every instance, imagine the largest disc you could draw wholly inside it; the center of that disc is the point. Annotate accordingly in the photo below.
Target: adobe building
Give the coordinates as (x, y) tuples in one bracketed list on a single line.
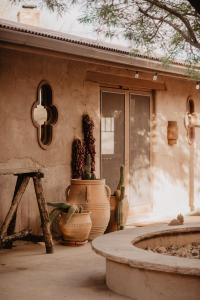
[(138, 106)]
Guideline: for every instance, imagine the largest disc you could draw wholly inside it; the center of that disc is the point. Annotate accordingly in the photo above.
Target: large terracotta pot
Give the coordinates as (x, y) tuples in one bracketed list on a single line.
[(77, 229), (94, 196)]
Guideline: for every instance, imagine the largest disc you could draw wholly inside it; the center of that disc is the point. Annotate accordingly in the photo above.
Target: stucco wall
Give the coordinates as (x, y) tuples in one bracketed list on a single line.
[(176, 168), (175, 173), (19, 77)]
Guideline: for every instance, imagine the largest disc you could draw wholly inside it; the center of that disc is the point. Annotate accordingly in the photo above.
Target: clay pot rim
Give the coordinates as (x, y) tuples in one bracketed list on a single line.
[(84, 212), (86, 182)]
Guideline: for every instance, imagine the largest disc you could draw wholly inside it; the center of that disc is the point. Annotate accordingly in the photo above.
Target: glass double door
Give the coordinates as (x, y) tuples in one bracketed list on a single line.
[(125, 139)]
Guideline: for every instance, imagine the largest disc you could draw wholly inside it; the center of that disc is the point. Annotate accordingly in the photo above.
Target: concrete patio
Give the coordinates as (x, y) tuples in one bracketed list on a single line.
[(28, 273), (71, 273)]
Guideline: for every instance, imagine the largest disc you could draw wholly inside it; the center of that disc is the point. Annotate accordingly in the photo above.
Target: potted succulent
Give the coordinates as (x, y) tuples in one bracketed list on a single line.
[(85, 190), (73, 222)]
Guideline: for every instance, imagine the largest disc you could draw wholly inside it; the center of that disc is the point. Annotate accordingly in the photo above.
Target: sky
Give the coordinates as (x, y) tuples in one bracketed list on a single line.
[(68, 23)]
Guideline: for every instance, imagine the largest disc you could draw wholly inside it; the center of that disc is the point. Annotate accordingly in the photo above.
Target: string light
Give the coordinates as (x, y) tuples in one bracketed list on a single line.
[(155, 76)]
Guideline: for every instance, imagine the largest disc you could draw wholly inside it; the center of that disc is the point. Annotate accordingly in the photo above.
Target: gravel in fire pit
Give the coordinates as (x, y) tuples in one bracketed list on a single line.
[(191, 250)]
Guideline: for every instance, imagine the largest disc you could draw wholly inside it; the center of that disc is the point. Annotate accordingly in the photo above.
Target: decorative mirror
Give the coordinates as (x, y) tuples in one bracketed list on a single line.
[(44, 114)]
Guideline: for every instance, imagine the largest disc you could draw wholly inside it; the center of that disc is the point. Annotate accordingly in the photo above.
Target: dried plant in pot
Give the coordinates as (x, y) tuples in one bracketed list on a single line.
[(73, 222), (85, 190)]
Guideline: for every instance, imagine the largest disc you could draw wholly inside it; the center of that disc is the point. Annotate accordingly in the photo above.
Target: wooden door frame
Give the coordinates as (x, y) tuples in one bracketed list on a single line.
[(114, 91)]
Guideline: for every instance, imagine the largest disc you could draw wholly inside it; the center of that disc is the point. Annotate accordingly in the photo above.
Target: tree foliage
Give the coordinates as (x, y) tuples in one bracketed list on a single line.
[(173, 26), (151, 25)]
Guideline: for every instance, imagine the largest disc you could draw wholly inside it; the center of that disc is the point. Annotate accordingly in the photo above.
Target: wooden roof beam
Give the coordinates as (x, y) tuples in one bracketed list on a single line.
[(124, 82)]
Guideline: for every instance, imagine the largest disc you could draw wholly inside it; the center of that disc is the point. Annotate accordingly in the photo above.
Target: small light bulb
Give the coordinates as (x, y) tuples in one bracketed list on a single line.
[(197, 85), (155, 76), (136, 74)]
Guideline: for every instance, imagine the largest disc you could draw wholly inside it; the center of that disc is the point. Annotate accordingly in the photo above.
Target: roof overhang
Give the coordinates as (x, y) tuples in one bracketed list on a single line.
[(12, 33)]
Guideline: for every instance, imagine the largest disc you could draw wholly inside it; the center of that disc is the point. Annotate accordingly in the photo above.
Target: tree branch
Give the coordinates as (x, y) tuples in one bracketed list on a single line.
[(173, 25), (178, 15)]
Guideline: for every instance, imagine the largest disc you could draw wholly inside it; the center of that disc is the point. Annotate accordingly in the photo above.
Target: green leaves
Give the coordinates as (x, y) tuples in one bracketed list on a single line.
[(164, 28), (60, 207)]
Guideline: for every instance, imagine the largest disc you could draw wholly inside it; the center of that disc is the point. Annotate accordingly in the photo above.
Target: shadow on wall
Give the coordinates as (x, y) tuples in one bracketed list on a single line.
[(174, 176)]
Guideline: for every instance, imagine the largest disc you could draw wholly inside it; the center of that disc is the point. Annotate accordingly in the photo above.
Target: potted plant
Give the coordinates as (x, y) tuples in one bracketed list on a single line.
[(73, 222), (119, 206), (85, 190)]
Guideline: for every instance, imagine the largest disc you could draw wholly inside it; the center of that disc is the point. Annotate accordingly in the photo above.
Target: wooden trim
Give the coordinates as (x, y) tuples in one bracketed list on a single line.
[(124, 82), (127, 138)]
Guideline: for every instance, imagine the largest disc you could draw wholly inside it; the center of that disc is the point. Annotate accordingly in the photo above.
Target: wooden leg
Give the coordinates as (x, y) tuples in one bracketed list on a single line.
[(21, 185), (11, 227), (16, 236), (43, 214)]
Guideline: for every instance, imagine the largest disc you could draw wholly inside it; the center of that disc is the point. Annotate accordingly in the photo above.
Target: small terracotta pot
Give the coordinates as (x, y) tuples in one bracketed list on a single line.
[(77, 229)]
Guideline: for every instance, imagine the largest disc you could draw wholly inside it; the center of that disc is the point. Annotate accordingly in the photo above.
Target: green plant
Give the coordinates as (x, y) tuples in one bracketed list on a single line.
[(120, 217), (120, 195), (121, 179), (87, 171), (68, 209)]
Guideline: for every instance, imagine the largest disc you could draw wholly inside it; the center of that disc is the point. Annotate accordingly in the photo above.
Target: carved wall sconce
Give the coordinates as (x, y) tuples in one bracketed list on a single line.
[(172, 132), (44, 114)]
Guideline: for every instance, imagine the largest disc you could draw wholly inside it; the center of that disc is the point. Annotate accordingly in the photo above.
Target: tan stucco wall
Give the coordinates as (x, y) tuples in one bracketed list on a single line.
[(175, 168), (20, 73), (19, 77)]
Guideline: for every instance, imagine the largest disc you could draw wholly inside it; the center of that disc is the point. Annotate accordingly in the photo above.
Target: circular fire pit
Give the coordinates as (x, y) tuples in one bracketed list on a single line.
[(143, 275)]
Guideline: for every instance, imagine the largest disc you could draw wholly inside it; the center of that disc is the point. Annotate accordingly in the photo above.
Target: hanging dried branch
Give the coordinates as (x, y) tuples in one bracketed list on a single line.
[(77, 161), (89, 140)]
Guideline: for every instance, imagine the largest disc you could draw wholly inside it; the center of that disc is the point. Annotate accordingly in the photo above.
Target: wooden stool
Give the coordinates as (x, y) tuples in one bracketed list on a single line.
[(7, 229)]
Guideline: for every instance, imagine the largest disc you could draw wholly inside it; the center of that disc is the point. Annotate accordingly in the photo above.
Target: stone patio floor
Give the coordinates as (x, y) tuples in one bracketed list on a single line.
[(71, 273)]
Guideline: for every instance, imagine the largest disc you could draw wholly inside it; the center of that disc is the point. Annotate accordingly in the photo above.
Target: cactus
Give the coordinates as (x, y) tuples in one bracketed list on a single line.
[(87, 172), (121, 195), (87, 169), (121, 179)]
